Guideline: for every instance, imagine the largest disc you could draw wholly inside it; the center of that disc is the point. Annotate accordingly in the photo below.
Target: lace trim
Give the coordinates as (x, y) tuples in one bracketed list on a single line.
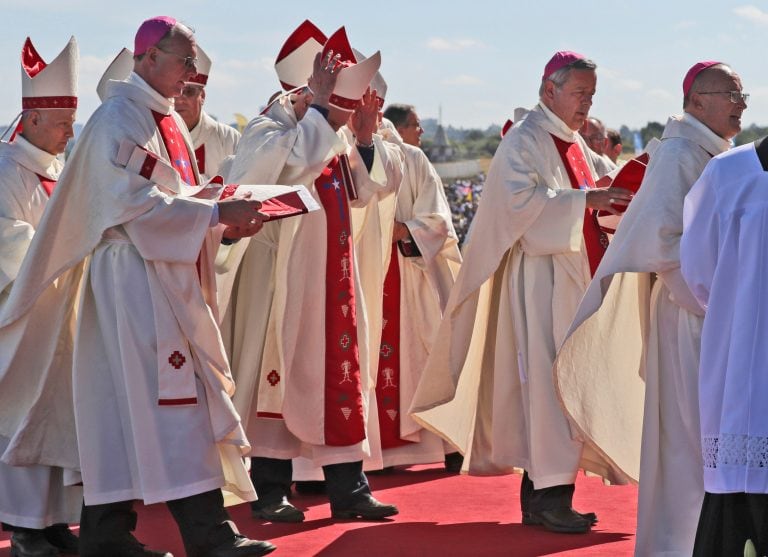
[(735, 450)]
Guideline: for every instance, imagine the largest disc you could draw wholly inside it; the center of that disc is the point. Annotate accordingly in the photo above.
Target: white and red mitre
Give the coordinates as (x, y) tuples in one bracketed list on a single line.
[(120, 68), (295, 60), (354, 77), (203, 68), (377, 83), (51, 85)]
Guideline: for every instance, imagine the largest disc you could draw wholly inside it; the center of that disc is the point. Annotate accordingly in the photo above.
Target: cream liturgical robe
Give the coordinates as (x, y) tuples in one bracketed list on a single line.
[(425, 284), (213, 142), (722, 254), (30, 496), (625, 334), (285, 410), (487, 386), (123, 251)]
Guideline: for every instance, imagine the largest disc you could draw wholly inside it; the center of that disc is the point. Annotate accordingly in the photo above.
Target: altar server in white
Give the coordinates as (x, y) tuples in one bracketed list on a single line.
[(722, 256)]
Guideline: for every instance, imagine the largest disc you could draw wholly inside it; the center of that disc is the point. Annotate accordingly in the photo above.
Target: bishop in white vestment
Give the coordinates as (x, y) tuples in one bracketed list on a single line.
[(627, 339)]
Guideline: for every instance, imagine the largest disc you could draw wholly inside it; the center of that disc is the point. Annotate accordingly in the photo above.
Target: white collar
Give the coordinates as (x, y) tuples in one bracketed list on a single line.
[(35, 159)]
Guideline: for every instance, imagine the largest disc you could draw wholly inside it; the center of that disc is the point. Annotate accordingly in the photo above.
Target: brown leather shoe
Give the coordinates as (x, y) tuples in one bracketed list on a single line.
[(562, 521), (367, 509)]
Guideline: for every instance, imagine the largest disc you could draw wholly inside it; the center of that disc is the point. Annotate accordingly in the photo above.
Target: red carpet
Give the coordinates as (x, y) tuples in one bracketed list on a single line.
[(440, 515)]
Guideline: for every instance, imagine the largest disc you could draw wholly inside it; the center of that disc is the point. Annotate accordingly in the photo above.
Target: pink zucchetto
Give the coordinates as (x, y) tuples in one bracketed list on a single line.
[(695, 70), (560, 60), (150, 32)]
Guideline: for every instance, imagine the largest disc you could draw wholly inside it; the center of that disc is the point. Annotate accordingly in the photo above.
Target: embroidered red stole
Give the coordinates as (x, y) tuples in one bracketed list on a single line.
[(47, 183), (388, 377), (177, 151), (344, 421), (174, 144), (200, 157), (580, 176)]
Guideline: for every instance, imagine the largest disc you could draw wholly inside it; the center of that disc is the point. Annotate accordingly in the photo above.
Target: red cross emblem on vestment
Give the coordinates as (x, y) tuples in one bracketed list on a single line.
[(177, 359), (386, 350), (345, 341), (273, 377)]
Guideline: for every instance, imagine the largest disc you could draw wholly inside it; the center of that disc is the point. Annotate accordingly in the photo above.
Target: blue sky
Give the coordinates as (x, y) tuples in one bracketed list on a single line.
[(478, 59)]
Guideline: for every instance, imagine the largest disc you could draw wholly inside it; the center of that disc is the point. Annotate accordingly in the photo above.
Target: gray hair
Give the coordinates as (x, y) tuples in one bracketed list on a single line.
[(561, 76)]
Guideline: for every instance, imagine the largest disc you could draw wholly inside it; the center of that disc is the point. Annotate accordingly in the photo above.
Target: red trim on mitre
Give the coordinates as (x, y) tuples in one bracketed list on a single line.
[(303, 33), (31, 61), (507, 125), (339, 43), (343, 102), (199, 78), (31, 103)]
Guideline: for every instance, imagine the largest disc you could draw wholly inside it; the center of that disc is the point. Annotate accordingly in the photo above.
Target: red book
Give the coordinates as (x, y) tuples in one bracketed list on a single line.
[(277, 202)]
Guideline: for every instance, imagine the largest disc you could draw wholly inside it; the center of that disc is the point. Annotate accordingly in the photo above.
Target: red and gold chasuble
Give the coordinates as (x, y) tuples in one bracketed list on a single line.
[(344, 422), (580, 176), (388, 377), (47, 184)]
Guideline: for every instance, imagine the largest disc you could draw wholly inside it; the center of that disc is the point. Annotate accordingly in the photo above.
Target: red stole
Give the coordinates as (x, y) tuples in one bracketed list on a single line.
[(176, 147), (200, 156), (344, 422), (47, 184), (177, 151), (388, 377), (580, 176)]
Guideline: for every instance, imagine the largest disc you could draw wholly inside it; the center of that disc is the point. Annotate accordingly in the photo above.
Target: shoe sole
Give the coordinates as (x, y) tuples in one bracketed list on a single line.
[(529, 521), (354, 515)]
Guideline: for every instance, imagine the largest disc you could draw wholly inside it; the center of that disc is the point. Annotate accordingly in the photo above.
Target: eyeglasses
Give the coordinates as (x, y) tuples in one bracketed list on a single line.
[(190, 62), (191, 91), (735, 97)]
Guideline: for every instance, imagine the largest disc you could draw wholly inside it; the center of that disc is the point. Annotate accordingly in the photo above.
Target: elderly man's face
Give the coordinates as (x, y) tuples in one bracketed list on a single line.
[(189, 104), (716, 109), (172, 65), (50, 129), (594, 135), (572, 101)]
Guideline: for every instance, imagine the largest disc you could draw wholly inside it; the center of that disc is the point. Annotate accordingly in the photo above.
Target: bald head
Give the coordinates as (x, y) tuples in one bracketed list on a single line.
[(593, 132), (716, 100)]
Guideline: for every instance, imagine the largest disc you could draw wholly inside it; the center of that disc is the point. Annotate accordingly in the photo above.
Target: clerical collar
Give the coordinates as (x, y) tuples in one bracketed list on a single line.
[(35, 159), (137, 81), (557, 126), (713, 141)]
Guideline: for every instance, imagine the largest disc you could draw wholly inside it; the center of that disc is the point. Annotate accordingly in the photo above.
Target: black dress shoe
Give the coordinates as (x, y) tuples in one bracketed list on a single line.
[(589, 517), (31, 543), (241, 547), (62, 538), (282, 511), (367, 509), (453, 462), (563, 521)]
